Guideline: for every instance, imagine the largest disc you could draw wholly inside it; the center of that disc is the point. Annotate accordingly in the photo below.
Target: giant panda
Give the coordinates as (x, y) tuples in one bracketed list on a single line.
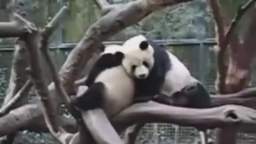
[(111, 82), (169, 81)]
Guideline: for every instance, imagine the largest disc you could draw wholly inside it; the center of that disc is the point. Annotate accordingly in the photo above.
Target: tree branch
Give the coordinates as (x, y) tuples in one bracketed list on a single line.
[(32, 42), (52, 25), (21, 118), (103, 4), (226, 65), (245, 97), (58, 86), (221, 57), (224, 116), (49, 110), (224, 38), (100, 127), (30, 117), (235, 21), (18, 75), (9, 104), (18, 27)]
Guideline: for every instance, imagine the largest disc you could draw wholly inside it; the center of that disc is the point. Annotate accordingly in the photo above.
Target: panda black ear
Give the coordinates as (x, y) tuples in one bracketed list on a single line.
[(143, 45), (119, 56)]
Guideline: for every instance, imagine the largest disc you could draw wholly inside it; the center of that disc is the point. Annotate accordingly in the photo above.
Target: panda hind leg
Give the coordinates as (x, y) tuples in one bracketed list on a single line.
[(91, 99)]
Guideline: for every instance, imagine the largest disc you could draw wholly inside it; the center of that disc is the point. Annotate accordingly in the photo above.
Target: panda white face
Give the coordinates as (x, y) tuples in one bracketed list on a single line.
[(139, 59), (136, 67)]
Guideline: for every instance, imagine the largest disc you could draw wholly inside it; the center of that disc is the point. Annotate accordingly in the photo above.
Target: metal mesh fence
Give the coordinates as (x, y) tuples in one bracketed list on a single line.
[(161, 133), (167, 134)]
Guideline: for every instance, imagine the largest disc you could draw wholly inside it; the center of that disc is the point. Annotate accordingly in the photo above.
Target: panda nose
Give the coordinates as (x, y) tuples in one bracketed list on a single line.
[(142, 76)]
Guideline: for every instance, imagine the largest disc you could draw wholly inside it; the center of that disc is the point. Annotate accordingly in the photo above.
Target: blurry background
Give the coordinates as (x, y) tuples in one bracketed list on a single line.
[(187, 30)]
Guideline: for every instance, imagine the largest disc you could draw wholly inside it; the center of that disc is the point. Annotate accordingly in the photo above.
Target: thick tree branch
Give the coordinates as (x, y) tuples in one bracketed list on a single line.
[(224, 38), (18, 27), (219, 19), (221, 57), (21, 118), (242, 56), (104, 5), (15, 99), (11, 29), (96, 119), (49, 110), (149, 112), (18, 75), (230, 77), (57, 86), (235, 21), (245, 97), (33, 41), (224, 116), (30, 117)]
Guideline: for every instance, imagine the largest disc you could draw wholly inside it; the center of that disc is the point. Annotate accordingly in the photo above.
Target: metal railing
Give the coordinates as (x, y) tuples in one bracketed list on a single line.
[(166, 42)]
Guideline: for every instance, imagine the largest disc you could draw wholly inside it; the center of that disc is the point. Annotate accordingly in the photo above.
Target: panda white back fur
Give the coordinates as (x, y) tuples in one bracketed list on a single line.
[(111, 84), (177, 77), (119, 87)]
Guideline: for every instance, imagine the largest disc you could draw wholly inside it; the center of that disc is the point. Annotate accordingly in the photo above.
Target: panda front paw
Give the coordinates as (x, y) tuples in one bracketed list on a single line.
[(90, 99)]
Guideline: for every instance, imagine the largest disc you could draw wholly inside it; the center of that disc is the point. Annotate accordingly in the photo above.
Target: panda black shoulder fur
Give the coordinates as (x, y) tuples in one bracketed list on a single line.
[(169, 79), (111, 80)]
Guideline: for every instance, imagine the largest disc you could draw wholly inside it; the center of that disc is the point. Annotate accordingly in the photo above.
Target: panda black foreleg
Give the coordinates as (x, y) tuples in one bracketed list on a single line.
[(91, 99)]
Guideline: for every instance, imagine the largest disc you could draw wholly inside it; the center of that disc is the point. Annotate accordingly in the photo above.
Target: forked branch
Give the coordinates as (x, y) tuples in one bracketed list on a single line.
[(224, 37), (52, 25)]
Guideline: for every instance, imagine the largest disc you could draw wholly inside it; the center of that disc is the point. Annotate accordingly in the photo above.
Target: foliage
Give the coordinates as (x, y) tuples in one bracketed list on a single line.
[(3, 82), (231, 6), (190, 20), (82, 14)]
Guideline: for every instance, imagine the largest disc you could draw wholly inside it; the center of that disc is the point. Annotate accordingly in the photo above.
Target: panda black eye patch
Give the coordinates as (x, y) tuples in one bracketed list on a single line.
[(133, 68), (143, 45), (145, 64)]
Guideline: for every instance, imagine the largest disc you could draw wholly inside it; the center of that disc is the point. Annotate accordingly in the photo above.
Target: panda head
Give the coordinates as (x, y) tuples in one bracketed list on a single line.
[(139, 59)]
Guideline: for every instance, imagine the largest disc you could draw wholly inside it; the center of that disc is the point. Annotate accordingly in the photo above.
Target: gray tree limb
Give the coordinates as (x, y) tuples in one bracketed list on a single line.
[(224, 116)]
